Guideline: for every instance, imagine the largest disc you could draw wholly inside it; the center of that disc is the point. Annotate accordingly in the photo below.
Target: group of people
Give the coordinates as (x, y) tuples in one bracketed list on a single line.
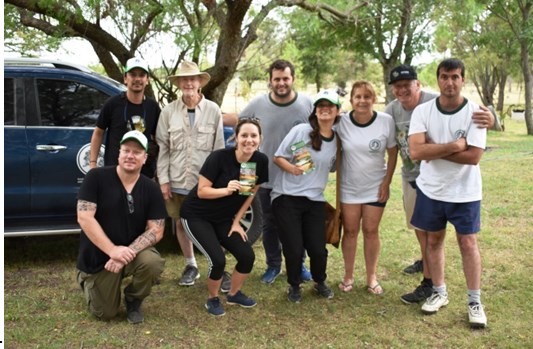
[(286, 146)]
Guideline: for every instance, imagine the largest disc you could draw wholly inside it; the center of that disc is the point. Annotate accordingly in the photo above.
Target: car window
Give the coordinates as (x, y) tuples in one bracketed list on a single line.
[(9, 102), (68, 103)]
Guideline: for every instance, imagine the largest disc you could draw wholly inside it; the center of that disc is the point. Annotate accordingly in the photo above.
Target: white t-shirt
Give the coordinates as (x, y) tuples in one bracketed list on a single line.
[(312, 184), (363, 161), (445, 180)]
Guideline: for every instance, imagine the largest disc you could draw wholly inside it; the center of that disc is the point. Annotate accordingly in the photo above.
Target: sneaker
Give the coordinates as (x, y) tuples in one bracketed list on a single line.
[(476, 315), (135, 314), (270, 275), (434, 303), (421, 293), (294, 294), (225, 286), (305, 275), (190, 274), (323, 290), (241, 299), (214, 307), (416, 267)]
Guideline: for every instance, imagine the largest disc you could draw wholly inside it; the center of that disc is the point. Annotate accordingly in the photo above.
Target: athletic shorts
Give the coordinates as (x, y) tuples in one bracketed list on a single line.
[(432, 215)]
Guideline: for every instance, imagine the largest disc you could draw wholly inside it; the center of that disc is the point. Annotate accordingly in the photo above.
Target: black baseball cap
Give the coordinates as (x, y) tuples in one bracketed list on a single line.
[(402, 72)]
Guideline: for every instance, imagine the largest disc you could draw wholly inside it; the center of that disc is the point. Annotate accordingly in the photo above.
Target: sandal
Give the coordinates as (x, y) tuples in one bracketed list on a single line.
[(376, 289), (346, 286)]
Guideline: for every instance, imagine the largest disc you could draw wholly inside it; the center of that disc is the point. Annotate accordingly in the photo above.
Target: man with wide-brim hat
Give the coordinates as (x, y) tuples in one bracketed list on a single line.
[(189, 129)]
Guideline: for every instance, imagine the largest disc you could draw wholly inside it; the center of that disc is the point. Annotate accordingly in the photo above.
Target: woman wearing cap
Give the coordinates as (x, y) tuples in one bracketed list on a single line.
[(306, 156), (189, 129), (366, 136), (212, 211)]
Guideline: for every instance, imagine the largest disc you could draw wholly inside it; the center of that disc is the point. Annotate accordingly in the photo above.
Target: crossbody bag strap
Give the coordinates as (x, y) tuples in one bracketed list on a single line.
[(338, 175)]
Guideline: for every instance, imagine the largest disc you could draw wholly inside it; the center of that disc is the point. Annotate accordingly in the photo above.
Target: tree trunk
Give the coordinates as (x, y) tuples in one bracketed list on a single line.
[(501, 92), (526, 70)]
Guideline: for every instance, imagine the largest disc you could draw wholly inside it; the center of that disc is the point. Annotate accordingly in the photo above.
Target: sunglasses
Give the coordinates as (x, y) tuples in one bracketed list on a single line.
[(131, 206)]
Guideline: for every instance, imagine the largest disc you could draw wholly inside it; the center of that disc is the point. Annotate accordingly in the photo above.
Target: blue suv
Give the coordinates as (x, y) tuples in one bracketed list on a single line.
[(50, 109)]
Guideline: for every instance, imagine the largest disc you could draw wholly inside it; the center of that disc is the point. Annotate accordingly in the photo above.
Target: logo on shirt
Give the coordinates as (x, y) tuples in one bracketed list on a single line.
[(459, 134), (374, 145)]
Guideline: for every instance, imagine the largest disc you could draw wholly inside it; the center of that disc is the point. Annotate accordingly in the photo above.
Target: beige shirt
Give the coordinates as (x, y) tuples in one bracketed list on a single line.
[(182, 148)]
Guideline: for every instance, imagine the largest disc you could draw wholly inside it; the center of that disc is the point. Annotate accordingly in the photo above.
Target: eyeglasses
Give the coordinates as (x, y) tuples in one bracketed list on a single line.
[(131, 206)]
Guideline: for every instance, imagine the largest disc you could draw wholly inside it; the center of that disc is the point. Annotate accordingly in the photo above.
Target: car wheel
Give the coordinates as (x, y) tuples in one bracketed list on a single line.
[(252, 222)]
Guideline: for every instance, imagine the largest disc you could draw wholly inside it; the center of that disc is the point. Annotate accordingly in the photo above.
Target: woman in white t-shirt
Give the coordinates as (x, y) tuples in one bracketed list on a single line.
[(367, 136), (306, 156)]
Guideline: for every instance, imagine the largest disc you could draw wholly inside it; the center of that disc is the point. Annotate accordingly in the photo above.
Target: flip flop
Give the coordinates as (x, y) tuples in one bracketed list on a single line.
[(346, 286), (376, 289)]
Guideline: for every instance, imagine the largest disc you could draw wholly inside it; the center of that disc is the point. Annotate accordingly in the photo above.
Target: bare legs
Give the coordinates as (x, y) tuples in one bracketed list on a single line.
[(356, 216)]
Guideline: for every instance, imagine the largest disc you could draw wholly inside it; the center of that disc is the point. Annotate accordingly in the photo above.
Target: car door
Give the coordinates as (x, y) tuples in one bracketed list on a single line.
[(58, 137)]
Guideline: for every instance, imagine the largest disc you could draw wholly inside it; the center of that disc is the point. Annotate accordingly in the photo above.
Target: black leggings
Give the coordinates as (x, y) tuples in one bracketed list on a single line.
[(210, 237)]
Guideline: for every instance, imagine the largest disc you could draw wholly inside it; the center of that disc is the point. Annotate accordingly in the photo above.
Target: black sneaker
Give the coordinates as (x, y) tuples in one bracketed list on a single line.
[(190, 274), (225, 286), (323, 290), (421, 293), (294, 294), (416, 267), (135, 314)]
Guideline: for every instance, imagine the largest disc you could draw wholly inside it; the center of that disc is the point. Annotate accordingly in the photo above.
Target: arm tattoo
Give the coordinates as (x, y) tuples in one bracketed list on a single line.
[(86, 206), (148, 238)]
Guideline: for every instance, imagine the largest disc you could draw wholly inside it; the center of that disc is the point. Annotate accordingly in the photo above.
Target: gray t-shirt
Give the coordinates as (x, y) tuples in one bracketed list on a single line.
[(402, 120), (312, 184), (276, 121)]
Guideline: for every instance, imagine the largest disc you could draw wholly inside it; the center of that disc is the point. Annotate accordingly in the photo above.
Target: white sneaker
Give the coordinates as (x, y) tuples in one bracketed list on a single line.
[(476, 315), (434, 303)]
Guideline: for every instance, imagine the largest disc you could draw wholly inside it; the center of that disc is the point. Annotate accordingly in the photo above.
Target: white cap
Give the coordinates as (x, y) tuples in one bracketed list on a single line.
[(328, 95), (136, 136), (136, 62)]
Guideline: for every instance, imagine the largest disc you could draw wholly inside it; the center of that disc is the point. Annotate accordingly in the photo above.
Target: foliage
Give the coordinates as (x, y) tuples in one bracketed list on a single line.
[(44, 307), (518, 16)]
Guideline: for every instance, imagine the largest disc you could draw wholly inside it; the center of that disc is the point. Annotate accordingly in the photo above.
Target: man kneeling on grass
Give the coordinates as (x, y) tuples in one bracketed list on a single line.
[(121, 214)]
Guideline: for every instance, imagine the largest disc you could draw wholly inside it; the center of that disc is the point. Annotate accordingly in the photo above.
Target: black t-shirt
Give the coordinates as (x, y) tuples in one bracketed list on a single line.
[(115, 117), (220, 167), (103, 187)]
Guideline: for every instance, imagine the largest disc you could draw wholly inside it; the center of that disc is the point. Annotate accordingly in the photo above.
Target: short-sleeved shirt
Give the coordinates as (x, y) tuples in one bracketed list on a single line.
[(402, 119), (103, 187), (441, 179), (312, 184), (276, 121), (115, 117), (220, 167), (363, 166)]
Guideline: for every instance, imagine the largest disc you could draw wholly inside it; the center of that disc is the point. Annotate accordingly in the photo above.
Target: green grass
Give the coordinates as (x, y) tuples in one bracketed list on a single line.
[(44, 307)]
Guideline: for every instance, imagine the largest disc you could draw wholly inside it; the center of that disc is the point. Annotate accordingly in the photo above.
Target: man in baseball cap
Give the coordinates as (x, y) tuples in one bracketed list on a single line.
[(130, 110)]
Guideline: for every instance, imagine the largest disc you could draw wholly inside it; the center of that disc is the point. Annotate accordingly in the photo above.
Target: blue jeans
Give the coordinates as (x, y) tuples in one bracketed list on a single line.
[(271, 242)]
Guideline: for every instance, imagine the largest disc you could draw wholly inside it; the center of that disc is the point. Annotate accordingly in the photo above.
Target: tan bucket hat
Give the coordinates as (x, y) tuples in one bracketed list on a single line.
[(187, 68)]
